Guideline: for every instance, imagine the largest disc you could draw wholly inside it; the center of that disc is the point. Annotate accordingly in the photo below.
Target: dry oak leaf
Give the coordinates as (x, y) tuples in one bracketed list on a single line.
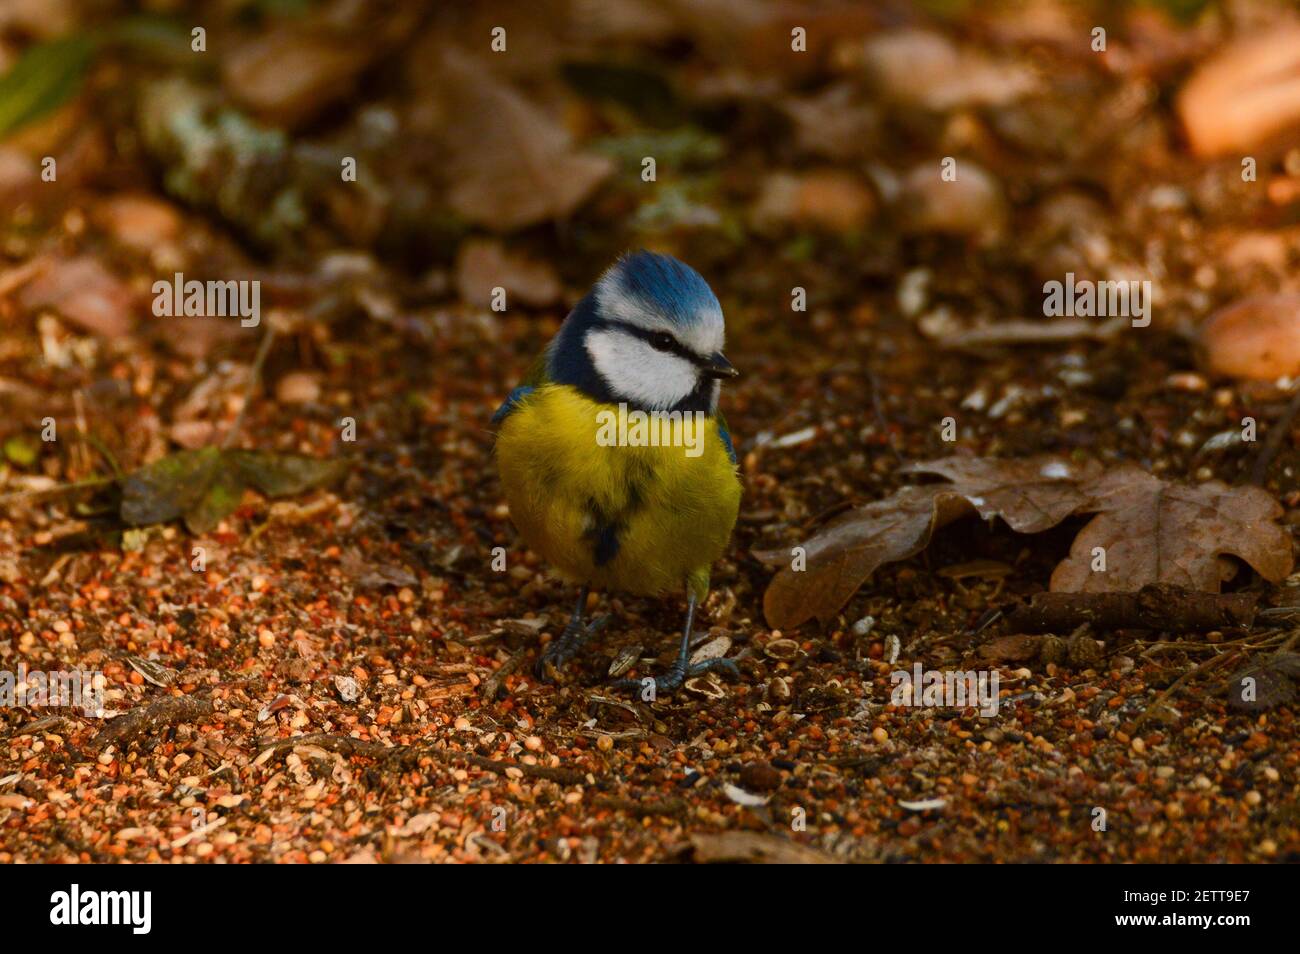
[(1157, 532), (1031, 495)]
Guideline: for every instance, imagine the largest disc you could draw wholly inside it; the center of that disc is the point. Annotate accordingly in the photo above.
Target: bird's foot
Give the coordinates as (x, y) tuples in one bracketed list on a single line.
[(675, 677), (565, 646)]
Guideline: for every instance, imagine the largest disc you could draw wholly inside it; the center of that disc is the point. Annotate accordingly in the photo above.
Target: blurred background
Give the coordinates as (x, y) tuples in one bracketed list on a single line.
[(506, 144)]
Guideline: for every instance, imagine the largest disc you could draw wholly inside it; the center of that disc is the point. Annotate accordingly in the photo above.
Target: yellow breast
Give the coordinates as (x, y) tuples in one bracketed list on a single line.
[(615, 500)]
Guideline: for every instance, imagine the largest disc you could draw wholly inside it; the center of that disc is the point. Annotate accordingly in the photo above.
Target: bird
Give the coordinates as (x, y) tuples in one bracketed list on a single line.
[(609, 507)]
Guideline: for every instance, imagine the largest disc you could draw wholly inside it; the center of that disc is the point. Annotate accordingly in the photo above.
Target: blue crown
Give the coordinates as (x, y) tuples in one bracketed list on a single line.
[(672, 288)]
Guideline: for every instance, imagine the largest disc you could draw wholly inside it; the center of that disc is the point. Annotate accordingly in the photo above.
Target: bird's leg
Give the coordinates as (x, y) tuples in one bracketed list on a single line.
[(682, 668), (565, 646)]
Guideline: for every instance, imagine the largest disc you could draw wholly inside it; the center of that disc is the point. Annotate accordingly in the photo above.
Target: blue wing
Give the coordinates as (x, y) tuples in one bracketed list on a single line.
[(513, 400), (726, 439)]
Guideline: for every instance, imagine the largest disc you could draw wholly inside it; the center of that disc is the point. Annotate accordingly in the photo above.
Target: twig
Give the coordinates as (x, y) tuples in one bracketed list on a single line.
[(1181, 681), (342, 744), (1160, 606), (1276, 434), (105, 453), (79, 408), (145, 719), (199, 832), (254, 377), (492, 684), (60, 489)]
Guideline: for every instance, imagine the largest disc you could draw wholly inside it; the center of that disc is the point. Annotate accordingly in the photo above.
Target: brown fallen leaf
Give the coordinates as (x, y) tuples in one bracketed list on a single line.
[(838, 123), (823, 199), (512, 164), (923, 68), (1016, 648), (1264, 684), (1153, 532), (1157, 532), (482, 266), (292, 71), (84, 292), (288, 76), (1031, 495), (139, 221)]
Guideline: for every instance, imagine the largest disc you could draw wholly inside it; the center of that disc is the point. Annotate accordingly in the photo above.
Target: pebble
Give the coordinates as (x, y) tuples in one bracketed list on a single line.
[(879, 734), (760, 777), (297, 387), (1138, 745), (604, 743)]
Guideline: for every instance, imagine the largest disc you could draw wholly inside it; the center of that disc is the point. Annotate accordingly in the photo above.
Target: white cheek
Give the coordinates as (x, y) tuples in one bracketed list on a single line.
[(638, 372)]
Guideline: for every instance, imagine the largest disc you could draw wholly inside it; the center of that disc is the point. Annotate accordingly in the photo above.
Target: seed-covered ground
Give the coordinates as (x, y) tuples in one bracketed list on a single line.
[(346, 673)]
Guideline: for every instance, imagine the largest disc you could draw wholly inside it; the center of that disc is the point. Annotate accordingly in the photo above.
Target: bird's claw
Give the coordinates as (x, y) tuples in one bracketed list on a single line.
[(675, 677), (565, 646)]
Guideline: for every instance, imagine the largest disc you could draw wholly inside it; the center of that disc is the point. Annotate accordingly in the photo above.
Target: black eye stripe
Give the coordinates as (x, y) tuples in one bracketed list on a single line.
[(672, 345)]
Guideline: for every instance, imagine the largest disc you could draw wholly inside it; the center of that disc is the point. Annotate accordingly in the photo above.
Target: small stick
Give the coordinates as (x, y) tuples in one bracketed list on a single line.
[(1180, 682), (1159, 606), (342, 744), (1277, 433), (254, 377), (60, 489), (145, 719), (492, 684)]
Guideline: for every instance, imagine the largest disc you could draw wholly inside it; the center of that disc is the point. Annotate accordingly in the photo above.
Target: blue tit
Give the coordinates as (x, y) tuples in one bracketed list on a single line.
[(614, 458)]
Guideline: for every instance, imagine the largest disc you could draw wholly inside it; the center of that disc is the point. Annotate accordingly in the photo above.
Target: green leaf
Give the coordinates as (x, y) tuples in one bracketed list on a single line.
[(218, 501), (280, 475), (44, 78), (205, 486), (170, 487), (20, 451)]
